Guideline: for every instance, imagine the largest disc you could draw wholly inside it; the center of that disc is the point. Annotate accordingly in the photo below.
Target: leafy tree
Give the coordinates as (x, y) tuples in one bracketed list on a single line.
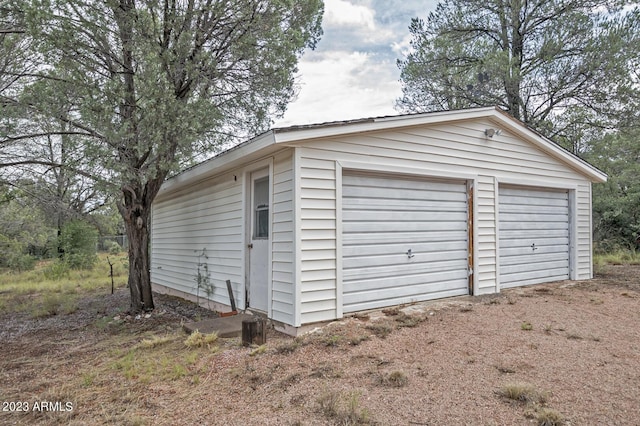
[(554, 64), (148, 85), (616, 203)]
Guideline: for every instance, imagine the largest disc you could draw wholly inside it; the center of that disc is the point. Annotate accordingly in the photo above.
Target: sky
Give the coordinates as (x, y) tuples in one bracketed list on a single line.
[(353, 72)]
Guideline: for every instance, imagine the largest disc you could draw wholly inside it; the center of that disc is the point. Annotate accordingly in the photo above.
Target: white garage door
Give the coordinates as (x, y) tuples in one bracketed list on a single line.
[(404, 240), (534, 236)]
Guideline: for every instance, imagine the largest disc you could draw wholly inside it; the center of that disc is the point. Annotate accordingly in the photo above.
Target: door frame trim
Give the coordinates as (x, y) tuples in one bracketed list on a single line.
[(267, 165)]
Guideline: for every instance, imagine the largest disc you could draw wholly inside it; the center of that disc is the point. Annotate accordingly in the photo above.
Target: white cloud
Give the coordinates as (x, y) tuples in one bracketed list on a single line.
[(339, 13), (340, 86), (353, 21)]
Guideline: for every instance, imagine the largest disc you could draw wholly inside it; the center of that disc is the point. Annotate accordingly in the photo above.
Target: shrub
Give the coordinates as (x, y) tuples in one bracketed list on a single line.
[(57, 270), (113, 247), (78, 241)]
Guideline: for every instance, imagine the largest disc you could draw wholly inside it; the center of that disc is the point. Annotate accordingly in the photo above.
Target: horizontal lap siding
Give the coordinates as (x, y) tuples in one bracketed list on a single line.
[(282, 240), (318, 278), (583, 228), (459, 148), (485, 220), (208, 218)]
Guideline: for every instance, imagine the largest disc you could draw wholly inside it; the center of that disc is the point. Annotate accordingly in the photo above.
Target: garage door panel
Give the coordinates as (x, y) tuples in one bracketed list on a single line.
[(407, 216), (407, 205), (538, 266), (406, 237), (365, 180), (402, 226), (522, 253), (521, 208), (393, 268), (417, 247), (384, 217), (406, 281), (542, 276), (562, 240), (531, 218)]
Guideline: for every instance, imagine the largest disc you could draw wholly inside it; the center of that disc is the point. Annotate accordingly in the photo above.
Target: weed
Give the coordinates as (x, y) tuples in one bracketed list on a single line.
[(290, 380), (88, 379), (290, 346), (333, 340), (361, 316), (380, 329), (526, 325), (405, 320), (395, 379), (325, 372), (548, 328), (355, 341), (331, 405), (178, 371), (522, 392), (549, 417), (506, 370), (199, 340), (155, 341), (574, 336), (620, 257), (391, 311), (258, 350), (191, 357)]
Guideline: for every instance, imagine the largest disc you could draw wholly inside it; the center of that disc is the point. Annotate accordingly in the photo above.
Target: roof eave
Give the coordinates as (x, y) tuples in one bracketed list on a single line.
[(218, 164)]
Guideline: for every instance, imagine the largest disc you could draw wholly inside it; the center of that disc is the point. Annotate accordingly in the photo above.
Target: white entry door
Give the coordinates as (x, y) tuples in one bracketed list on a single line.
[(259, 241)]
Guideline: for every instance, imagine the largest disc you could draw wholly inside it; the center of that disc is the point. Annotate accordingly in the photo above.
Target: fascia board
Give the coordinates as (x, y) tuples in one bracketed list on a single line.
[(219, 164), (383, 123)]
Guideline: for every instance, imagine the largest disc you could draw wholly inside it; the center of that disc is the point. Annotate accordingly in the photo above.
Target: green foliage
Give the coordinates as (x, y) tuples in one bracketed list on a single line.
[(56, 270), (23, 232), (165, 88), (616, 203), (78, 241), (555, 65)]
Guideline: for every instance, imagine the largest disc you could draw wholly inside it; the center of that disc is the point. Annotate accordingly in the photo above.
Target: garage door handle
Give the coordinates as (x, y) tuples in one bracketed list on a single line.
[(533, 247), (409, 254), (250, 246)]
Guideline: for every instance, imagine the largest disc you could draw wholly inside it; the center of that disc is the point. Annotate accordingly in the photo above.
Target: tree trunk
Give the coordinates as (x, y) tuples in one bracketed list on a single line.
[(137, 227), (136, 212)]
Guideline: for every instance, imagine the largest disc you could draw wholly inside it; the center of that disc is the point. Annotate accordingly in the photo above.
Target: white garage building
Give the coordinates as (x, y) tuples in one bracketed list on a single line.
[(312, 222)]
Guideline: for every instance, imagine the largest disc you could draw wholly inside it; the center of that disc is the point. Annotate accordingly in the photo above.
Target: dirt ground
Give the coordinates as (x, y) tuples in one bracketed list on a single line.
[(573, 346)]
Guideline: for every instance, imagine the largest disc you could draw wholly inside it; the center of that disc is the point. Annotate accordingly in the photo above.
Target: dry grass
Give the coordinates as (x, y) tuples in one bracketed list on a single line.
[(132, 371), (522, 392), (395, 379), (201, 340)]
